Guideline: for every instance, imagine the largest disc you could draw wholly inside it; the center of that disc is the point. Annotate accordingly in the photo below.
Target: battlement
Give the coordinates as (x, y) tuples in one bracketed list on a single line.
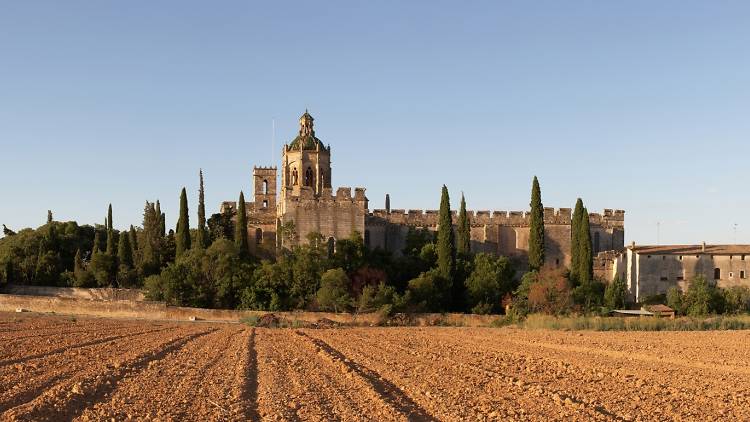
[(262, 168), (562, 216), (307, 193)]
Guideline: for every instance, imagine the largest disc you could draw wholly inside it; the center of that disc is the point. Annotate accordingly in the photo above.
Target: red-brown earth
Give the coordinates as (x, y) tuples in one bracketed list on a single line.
[(56, 368)]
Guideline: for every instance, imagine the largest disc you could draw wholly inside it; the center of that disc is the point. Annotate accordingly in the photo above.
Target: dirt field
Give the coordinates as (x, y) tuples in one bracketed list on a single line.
[(60, 368)]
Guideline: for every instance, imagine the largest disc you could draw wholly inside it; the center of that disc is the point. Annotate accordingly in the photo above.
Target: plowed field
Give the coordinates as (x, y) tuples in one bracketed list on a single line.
[(60, 368)]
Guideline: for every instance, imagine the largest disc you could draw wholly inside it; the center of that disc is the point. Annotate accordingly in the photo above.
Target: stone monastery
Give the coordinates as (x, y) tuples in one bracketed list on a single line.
[(304, 202)]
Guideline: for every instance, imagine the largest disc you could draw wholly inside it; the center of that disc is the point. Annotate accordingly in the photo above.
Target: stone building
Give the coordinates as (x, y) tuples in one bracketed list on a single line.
[(307, 204), (652, 270)]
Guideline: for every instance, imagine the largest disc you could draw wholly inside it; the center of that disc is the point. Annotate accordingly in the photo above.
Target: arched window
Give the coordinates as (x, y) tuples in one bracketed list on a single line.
[(258, 236), (309, 177), (294, 176), (331, 246), (265, 187), (717, 273)]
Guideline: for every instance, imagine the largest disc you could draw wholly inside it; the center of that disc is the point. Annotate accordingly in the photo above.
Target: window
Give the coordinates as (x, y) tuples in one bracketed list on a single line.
[(731, 274), (309, 177), (680, 257), (742, 257), (717, 273), (265, 203), (742, 274), (294, 176), (265, 187), (331, 246), (258, 236), (663, 276), (649, 256), (663, 257), (557, 262), (730, 257)]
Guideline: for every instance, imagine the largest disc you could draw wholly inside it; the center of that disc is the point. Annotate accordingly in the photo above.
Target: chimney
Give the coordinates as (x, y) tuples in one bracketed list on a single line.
[(703, 247)]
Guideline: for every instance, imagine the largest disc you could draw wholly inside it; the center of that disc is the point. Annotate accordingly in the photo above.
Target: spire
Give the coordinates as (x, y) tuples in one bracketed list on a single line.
[(306, 124)]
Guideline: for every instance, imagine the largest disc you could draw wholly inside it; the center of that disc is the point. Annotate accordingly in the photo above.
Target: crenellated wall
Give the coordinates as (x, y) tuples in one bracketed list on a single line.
[(500, 232), (332, 215)]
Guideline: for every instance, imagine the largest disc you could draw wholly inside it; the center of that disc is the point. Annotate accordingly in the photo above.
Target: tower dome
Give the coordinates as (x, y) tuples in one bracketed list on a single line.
[(306, 139)]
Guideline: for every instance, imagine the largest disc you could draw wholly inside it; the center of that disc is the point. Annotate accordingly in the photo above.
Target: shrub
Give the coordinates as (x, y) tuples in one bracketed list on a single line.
[(550, 293), (334, 291), (615, 294), (490, 279)]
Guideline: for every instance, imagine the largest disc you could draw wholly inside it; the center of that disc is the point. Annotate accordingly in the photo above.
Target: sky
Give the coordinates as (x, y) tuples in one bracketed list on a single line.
[(639, 105)]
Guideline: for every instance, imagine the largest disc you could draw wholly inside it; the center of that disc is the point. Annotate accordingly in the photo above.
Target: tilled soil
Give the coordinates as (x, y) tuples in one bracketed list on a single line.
[(56, 368)]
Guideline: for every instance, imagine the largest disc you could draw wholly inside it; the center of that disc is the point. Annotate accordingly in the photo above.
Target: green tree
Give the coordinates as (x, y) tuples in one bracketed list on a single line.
[(536, 228), (240, 234), (463, 233), (125, 251), (737, 299), (575, 242), (111, 245), (82, 277), (702, 298), (446, 250), (49, 216), (430, 291), (333, 294), (674, 300), (161, 219), (182, 239), (615, 294), (201, 238), (585, 250), (490, 279)]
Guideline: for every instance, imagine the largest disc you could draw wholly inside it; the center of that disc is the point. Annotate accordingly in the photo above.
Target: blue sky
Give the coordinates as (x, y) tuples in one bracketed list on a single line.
[(635, 105)]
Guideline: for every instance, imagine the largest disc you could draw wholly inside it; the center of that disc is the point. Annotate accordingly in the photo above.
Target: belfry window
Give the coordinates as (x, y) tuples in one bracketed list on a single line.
[(309, 177), (294, 176), (265, 187)]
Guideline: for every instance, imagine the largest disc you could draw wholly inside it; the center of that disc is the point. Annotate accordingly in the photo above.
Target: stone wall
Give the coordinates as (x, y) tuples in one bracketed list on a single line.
[(75, 292), (333, 216), (159, 311), (501, 232)]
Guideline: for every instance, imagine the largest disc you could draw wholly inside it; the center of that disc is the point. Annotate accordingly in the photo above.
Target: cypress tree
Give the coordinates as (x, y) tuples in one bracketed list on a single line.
[(536, 228), (201, 239), (586, 263), (49, 216), (387, 203), (97, 242), (109, 217), (182, 240), (162, 219), (78, 264), (133, 239), (110, 234), (463, 234), (240, 230), (575, 242), (125, 251), (446, 250)]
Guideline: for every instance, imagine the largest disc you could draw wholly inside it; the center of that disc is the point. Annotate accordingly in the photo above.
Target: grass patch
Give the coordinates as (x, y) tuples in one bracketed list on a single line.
[(251, 320), (547, 322)]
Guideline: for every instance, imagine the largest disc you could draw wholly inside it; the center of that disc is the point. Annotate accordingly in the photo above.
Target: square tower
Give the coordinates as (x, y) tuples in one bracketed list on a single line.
[(264, 184)]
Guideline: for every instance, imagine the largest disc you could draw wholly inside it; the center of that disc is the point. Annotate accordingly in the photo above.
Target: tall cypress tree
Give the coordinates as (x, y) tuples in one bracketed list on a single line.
[(240, 229), (133, 239), (162, 219), (78, 267), (463, 234), (201, 238), (536, 228), (182, 240), (387, 203), (97, 243), (446, 250), (110, 234), (575, 242), (109, 217), (49, 216), (125, 251), (586, 263)]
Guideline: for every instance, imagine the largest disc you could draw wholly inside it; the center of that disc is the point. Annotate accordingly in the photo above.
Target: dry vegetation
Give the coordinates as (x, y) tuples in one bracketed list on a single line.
[(60, 368)]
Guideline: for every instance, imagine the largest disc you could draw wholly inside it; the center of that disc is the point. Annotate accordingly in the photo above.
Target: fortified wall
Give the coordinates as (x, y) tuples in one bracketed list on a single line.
[(500, 232), (333, 216)]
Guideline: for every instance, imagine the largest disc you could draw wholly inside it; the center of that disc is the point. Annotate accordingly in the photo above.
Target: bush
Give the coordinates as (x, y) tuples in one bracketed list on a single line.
[(615, 294), (550, 293), (736, 299), (702, 298), (334, 291), (490, 279), (429, 292)]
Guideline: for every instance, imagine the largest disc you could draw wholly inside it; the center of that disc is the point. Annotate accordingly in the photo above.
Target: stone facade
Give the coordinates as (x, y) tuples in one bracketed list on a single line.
[(307, 204), (652, 270)]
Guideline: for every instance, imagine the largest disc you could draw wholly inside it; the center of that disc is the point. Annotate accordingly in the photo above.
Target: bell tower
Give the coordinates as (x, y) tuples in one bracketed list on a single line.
[(264, 186), (306, 161)]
